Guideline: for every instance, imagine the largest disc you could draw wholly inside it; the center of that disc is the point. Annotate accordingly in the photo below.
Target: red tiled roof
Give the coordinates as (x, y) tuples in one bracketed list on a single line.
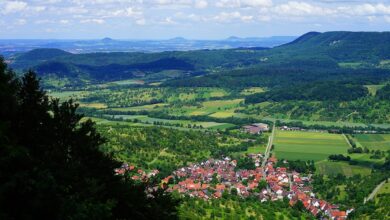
[(220, 187), (205, 186), (338, 213), (218, 194)]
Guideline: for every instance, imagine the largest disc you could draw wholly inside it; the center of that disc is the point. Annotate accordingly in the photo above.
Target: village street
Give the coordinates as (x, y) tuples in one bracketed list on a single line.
[(268, 150)]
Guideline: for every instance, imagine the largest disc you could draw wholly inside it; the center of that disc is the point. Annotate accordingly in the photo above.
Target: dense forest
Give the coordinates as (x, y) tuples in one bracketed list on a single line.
[(51, 165), (167, 149), (363, 52), (384, 93), (324, 91)]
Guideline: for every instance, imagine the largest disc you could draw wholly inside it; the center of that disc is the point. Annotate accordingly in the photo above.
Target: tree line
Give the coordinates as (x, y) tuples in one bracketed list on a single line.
[(51, 166)]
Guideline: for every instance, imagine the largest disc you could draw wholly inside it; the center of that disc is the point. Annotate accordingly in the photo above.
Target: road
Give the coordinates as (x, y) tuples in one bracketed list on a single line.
[(375, 191), (346, 139), (268, 149), (290, 180)]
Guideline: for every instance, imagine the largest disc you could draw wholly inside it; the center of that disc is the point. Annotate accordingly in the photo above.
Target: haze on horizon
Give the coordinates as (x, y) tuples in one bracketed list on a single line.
[(191, 19)]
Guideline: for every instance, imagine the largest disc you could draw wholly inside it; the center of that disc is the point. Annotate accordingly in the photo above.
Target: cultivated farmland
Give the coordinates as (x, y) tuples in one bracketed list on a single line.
[(374, 141), (298, 145)]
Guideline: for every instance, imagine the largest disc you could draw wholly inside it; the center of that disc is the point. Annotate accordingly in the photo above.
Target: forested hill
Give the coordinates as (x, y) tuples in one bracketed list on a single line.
[(102, 67), (370, 47), (330, 52), (362, 57)]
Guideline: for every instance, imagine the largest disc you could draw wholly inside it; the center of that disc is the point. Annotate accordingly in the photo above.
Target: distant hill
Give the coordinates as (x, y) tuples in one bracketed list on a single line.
[(34, 57), (42, 54), (309, 55), (114, 66), (367, 47), (313, 56)]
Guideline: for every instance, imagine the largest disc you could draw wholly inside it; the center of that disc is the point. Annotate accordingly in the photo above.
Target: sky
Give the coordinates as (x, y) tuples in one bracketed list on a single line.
[(192, 19)]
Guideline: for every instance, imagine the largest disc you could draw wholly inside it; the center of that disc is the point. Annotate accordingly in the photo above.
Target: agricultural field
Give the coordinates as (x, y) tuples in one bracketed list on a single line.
[(366, 160), (166, 149), (385, 189), (66, 95), (333, 168), (372, 89), (298, 145), (143, 119), (252, 90), (374, 141)]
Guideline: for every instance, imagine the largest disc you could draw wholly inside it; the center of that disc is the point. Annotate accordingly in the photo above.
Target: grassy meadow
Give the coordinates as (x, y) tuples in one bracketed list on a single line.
[(333, 168), (299, 145), (374, 141)]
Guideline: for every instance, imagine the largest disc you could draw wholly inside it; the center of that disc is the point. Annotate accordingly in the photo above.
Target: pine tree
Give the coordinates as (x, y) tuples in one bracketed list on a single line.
[(51, 166)]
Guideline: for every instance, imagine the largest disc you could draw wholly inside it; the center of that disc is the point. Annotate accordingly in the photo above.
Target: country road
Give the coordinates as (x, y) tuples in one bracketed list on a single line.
[(268, 149), (348, 142), (375, 191)]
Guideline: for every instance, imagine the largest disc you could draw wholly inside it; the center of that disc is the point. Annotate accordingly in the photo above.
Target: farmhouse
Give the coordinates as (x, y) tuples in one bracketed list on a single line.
[(257, 128)]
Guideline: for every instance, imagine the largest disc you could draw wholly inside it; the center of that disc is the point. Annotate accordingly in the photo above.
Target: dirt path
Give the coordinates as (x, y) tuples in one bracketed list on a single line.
[(375, 191), (268, 149), (346, 139)]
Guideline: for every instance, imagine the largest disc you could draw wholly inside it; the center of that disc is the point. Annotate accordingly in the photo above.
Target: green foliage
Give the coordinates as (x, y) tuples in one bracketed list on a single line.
[(384, 93), (339, 157), (237, 208), (299, 166), (324, 91), (349, 191), (51, 166), (245, 163), (166, 149)]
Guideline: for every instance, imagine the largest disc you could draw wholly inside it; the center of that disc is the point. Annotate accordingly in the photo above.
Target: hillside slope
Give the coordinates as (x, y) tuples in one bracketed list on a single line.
[(311, 54), (371, 47)]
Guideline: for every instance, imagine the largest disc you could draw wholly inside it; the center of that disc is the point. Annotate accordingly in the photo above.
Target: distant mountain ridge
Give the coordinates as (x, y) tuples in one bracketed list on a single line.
[(313, 50), (11, 47), (341, 46)]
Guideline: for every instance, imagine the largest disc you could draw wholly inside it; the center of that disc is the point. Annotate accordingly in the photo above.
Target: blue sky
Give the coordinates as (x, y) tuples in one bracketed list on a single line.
[(193, 19)]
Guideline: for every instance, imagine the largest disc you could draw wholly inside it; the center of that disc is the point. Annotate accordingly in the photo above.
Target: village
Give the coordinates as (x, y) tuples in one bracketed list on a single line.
[(212, 178), (267, 181)]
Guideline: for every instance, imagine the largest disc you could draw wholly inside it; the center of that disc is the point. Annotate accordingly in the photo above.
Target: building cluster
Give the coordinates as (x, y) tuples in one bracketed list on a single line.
[(136, 174), (296, 188), (212, 178), (286, 128), (256, 128)]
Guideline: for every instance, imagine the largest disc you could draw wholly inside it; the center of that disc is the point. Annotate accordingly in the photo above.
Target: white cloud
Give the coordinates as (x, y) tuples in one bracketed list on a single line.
[(225, 17), (369, 9), (141, 21), (43, 21), (294, 8), (201, 4), (131, 12), (387, 19), (95, 20), (264, 18), (21, 22), (168, 21), (38, 8), (64, 21), (243, 3), (14, 6)]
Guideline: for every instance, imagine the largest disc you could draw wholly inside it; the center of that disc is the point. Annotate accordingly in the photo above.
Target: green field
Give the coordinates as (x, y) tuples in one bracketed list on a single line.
[(372, 89), (252, 90), (143, 119), (385, 189), (298, 145), (374, 141), (333, 168), (329, 123), (65, 95)]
